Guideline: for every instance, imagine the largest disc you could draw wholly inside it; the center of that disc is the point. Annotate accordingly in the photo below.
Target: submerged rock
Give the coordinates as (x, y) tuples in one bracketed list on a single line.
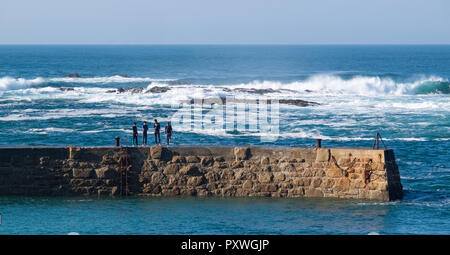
[(73, 75), (257, 91), (157, 89), (297, 102), (122, 90), (66, 89), (224, 100)]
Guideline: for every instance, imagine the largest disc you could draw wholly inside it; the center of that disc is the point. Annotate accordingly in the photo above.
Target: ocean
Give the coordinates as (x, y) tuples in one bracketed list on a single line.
[(402, 92)]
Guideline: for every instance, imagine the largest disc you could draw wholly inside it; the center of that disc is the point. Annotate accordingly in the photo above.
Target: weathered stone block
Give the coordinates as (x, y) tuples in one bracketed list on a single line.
[(82, 172), (247, 184), (188, 192), (323, 155), (265, 177), (237, 164), (105, 173), (192, 159), (189, 170), (220, 165), (269, 187), (195, 181), (149, 165), (279, 177), (211, 176), (312, 192), (334, 172), (170, 192), (171, 169), (227, 174), (157, 178), (206, 161), (242, 153), (178, 159), (156, 152)]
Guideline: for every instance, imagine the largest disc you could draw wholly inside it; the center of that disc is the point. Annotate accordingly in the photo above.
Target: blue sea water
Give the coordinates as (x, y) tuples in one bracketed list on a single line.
[(400, 91)]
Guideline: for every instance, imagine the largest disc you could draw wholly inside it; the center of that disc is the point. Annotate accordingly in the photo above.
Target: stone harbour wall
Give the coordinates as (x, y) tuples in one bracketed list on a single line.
[(200, 171)]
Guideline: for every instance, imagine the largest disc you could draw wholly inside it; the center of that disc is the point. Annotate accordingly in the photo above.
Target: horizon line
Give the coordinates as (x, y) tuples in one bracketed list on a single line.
[(224, 44)]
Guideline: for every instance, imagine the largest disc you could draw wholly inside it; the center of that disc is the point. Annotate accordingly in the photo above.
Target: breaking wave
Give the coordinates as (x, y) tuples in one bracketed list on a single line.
[(320, 84), (9, 83), (359, 85), (110, 79)]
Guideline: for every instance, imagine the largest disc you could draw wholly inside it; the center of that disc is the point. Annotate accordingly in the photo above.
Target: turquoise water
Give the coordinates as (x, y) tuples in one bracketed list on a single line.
[(400, 91), (216, 216)]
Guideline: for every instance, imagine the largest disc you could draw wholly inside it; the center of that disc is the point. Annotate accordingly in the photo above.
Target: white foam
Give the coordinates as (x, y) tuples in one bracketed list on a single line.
[(441, 139), (317, 84), (330, 84), (49, 130), (8, 83), (108, 79)]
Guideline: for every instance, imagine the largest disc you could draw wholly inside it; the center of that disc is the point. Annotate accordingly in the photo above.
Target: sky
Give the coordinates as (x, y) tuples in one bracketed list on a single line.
[(225, 22)]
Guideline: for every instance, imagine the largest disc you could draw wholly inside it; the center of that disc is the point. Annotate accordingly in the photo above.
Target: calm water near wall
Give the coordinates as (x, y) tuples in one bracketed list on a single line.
[(400, 91), (217, 216)]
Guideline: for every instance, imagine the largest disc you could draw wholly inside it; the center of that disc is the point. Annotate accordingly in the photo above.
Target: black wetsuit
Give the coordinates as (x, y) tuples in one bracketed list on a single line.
[(135, 135), (168, 131), (157, 135), (144, 134)]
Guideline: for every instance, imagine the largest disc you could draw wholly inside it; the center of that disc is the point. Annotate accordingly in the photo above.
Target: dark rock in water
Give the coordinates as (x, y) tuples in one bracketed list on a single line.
[(297, 102), (134, 90), (122, 90), (66, 89), (256, 91), (73, 75), (157, 89), (224, 100)]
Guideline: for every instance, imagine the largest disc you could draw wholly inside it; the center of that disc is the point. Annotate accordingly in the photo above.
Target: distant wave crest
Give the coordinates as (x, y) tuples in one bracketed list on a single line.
[(358, 85), (9, 83), (109, 79), (320, 84)]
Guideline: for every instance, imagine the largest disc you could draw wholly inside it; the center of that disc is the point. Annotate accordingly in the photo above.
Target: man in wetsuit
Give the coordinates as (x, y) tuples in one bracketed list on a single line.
[(135, 135), (168, 131), (157, 135), (144, 133)]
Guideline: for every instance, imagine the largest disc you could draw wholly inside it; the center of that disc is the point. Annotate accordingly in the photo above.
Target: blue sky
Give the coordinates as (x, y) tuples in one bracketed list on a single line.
[(225, 22)]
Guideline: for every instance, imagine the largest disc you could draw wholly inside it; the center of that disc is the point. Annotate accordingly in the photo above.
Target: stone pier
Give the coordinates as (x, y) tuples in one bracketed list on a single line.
[(200, 171)]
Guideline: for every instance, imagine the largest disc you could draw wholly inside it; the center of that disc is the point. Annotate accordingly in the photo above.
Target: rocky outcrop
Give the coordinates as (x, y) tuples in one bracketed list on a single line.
[(201, 171), (73, 75), (224, 100), (157, 89)]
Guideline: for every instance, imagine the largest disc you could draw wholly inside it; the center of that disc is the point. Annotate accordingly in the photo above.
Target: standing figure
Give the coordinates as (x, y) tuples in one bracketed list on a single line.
[(144, 133), (168, 131), (135, 135), (157, 135)]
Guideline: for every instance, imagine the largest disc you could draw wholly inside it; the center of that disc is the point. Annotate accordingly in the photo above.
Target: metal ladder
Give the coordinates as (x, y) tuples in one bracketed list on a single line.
[(124, 168)]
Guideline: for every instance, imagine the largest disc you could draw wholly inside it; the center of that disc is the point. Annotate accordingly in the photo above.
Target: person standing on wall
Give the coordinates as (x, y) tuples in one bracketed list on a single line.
[(157, 134), (144, 133), (168, 131), (135, 135)]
